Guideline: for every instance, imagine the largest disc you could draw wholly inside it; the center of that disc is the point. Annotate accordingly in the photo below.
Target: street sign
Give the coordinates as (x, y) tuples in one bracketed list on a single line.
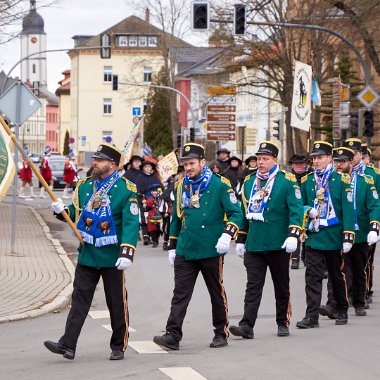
[(344, 122), (84, 140), (71, 140), (221, 117), (135, 119), (368, 97), (220, 108), (344, 108), (221, 90), (28, 103), (224, 99), (221, 127), (211, 136), (136, 111)]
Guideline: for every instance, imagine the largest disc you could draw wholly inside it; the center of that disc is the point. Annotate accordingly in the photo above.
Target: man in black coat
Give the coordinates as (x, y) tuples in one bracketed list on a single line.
[(223, 158)]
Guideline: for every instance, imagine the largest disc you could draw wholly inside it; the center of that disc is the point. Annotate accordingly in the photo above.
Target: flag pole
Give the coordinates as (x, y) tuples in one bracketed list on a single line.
[(40, 178)]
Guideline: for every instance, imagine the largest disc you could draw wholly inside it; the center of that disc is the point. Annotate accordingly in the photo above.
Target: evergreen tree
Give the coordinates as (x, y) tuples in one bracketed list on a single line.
[(66, 148), (157, 126)]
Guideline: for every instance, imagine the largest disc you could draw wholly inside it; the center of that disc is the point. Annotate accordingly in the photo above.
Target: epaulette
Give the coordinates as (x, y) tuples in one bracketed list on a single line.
[(346, 178), (82, 181), (289, 176), (225, 180), (372, 166), (130, 185), (368, 179), (248, 176), (304, 178), (177, 183)]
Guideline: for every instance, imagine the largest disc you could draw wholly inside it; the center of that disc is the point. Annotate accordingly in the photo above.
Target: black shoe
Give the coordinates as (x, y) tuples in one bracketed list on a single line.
[(328, 311), (283, 330), (155, 244), (117, 355), (218, 341), (146, 240), (165, 246), (166, 341), (244, 331), (366, 306), (295, 264), (307, 323), (57, 348), (341, 319), (360, 311)]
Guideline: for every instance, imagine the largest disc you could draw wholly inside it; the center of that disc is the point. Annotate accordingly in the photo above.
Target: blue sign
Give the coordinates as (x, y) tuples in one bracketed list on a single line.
[(136, 111)]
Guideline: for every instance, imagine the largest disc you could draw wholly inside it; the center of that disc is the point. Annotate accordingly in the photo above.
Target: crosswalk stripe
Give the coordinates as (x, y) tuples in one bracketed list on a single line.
[(146, 347), (108, 327), (182, 373), (99, 314)]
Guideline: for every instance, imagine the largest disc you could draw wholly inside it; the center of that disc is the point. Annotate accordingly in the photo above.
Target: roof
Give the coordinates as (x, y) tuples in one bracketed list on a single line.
[(133, 25), (10, 82), (33, 23), (64, 89)]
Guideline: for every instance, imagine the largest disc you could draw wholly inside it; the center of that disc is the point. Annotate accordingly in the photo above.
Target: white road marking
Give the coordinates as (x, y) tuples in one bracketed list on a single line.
[(182, 373), (99, 314), (108, 327), (146, 347)]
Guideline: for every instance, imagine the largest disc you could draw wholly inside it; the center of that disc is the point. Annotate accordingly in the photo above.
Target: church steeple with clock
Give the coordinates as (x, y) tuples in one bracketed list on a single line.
[(33, 40)]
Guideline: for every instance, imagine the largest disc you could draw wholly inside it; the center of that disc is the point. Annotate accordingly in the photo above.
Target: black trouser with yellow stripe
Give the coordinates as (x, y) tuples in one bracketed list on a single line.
[(185, 276), (86, 279), (256, 264)]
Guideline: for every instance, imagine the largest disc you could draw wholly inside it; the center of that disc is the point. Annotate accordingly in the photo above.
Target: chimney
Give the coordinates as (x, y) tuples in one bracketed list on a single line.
[(147, 14)]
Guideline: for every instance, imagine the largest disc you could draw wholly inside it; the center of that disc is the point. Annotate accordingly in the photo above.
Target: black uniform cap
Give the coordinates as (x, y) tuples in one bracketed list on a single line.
[(365, 149), (297, 158), (354, 144), (192, 150), (321, 148), (236, 159), (249, 159), (267, 147), (343, 153), (108, 152)]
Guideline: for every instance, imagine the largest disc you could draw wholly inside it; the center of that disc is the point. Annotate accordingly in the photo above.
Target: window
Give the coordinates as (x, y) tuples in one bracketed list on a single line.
[(107, 76), (145, 105), (132, 41), (34, 68), (107, 106), (122, 41), (147, 74), (107, 136), (142, 41), (152, 41)]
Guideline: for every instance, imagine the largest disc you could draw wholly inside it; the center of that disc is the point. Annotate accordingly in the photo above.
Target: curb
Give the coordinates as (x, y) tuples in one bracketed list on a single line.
[(64, 296)]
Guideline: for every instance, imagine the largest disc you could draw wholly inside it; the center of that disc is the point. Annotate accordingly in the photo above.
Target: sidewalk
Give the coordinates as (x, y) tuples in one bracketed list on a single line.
[(37, 279)]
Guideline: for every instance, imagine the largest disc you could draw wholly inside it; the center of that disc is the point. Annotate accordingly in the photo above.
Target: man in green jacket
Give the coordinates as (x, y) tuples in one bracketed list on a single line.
[(269, 233), (198, 241), (106, 211), (330, 227), (367, 222)]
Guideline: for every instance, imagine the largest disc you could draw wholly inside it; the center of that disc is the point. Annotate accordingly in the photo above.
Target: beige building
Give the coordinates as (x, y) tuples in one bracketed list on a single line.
[(63, 92), (98, 113)]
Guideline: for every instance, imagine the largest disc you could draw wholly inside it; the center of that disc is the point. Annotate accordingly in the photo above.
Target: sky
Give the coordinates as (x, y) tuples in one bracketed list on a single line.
[(64, 20)]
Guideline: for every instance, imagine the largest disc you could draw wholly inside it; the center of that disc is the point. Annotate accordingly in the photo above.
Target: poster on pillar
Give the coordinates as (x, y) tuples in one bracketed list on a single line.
[(302, 93)]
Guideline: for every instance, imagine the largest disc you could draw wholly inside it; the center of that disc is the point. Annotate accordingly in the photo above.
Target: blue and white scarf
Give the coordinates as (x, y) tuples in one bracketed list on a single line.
[(97, 225), (259, 197), (353, 182), (359, 168), (199, 185), (327, 216)]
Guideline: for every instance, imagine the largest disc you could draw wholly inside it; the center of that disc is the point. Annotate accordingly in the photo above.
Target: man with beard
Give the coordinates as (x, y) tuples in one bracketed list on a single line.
[(199, 239), (134, 169), (106, 211)]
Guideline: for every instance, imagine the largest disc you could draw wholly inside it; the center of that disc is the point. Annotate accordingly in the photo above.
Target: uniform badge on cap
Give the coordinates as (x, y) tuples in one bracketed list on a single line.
[(263, 145), (340, 151), (100, 148), (317, 145), (351, 143), (187, 148)]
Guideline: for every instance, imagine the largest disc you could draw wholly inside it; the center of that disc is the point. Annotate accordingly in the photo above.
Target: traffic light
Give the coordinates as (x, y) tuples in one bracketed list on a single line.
[(115, 82), (200, 15), (278, 129), (240, 19), (368, 123), (105, 43), (179, 140), (354, 124), (192, 134)]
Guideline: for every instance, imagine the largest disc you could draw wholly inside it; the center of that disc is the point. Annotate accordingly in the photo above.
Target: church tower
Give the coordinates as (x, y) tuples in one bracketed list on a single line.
[(33, 40)]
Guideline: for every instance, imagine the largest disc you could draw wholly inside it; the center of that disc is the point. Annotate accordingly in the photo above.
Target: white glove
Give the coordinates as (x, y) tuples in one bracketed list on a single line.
[(372, 237), (58, 206), (171, 257), (123, 263), (290, 244), (313, 213), (240, 249), (223, 243), (347, 247)]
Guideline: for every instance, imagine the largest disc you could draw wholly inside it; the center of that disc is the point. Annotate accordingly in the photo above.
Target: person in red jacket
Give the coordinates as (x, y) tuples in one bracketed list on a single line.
[(45, 171), (69, 174), (154, 216), (26, 179)]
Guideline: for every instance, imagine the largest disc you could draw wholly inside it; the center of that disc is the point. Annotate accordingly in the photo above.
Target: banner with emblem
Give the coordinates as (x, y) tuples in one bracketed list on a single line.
[(302, 95), (167, 166), (7, 166)]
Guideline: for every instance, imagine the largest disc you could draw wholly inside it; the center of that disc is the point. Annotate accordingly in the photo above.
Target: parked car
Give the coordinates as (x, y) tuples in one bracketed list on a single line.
[(35, 158), (57, 164)]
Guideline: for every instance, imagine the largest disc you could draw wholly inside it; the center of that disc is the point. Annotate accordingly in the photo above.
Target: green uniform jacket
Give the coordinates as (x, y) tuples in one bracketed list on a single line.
[(331, 238), (197, 230), (367, 206), (124, 208), (375, 174), (284, 210)]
